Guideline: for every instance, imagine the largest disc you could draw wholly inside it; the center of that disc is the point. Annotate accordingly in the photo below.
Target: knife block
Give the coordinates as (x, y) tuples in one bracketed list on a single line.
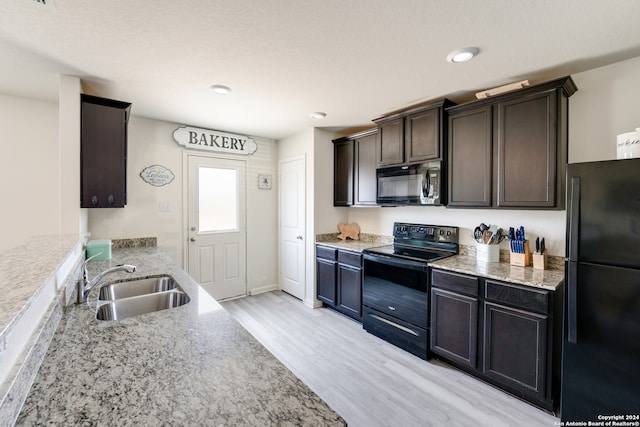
[(540, 261), (522, 260)]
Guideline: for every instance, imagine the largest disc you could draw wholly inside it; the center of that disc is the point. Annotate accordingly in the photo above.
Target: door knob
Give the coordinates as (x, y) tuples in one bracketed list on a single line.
[(299, 237), (193, 239)]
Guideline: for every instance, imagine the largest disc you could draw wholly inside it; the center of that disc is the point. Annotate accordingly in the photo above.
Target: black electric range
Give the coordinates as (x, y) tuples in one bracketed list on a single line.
[(395, 291)]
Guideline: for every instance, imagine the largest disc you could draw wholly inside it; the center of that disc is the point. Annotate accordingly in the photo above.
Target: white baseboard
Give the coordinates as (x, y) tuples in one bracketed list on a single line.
[(314, 303), (263, 289)]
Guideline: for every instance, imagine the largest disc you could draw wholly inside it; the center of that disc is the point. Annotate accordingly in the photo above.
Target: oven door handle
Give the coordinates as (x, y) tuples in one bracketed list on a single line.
[(396, 262)]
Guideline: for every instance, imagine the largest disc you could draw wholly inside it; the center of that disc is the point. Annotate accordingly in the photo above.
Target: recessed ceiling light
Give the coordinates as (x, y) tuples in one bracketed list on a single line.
[(318, 115), (462, 55), (221, 89)]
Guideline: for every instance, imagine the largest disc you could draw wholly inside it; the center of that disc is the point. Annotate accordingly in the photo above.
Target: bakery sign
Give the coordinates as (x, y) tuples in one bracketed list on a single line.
[(210, 140)]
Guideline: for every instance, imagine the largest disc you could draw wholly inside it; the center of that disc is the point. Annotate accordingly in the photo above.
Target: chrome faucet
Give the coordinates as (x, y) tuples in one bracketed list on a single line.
[(84, 286)]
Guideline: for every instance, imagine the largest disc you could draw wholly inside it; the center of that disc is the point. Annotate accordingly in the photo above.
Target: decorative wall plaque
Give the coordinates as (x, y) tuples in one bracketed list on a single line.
[(210, 140), (264, 181), (157, 175)]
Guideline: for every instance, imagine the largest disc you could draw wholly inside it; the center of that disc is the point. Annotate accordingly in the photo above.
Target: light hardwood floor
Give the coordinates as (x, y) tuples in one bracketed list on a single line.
[(368, 381)]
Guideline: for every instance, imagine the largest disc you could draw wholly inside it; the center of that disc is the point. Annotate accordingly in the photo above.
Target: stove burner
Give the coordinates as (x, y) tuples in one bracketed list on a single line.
[(407, 252), (420, 242)]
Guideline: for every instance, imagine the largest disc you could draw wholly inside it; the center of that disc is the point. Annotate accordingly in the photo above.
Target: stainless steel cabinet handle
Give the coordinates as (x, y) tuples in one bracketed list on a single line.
[(193, 239), (299, 237)]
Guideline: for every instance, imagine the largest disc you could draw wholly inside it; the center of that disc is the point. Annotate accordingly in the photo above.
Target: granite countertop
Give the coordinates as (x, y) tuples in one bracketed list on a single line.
[(18, 288), (366, 241), (351, 245), (190, 365), (528, 276)]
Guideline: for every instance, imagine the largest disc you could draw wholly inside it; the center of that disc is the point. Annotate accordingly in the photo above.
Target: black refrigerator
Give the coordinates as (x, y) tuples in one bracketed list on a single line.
[(601, 342)]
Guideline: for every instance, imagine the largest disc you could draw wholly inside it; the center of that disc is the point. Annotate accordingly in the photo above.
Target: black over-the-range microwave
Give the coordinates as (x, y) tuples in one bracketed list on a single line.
[(419, 184)]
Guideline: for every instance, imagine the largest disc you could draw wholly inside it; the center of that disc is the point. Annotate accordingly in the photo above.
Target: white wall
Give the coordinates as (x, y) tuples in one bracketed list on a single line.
[(29, 170), (607, 104), (150, 142), (548, 224), (72, 218), (327, 217)]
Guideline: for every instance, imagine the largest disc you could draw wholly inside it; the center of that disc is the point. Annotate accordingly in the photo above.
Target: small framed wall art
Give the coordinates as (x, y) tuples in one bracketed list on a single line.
[(264, 182)]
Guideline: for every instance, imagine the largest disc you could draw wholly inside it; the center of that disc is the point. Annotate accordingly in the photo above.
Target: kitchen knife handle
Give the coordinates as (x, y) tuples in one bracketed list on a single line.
[(574, 218), (572, 302)]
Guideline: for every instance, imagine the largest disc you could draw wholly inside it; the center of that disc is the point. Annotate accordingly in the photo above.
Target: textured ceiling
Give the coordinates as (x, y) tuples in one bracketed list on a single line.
[(354, 60)]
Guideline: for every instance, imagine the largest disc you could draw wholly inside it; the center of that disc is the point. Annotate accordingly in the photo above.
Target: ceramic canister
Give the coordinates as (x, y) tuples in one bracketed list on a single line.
[(628, 145)]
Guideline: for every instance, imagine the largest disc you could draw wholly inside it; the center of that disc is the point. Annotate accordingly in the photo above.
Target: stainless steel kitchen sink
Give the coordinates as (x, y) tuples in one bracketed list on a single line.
[(132, 306), (135, 287)]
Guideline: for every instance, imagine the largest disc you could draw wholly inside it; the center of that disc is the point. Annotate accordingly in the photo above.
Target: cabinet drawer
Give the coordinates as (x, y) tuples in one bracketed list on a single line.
[(397, 332), (350, 258), (454, 282), (326, 252), (517, 296)]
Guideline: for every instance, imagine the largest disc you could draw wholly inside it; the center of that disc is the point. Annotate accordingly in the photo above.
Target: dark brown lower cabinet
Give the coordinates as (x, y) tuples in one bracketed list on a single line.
[(515, 350), (454, 326), (504, 333), (339, 280), (350, 288), (326, 280)]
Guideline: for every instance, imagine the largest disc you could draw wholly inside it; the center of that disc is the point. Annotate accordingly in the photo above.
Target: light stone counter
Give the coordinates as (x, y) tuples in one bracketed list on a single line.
[(24, 269), (545, 279), (190, 365), (366, 241)]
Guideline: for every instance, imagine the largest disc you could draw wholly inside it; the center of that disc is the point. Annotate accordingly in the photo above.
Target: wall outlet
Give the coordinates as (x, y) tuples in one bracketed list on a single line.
[(165, 207)]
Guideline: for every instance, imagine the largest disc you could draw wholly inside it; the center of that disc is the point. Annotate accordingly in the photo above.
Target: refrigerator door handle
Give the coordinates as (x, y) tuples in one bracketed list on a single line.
[(574, 218), (572, 306)]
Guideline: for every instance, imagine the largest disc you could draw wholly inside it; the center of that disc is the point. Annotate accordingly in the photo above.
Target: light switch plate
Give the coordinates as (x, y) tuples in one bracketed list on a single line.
[(164, 206)]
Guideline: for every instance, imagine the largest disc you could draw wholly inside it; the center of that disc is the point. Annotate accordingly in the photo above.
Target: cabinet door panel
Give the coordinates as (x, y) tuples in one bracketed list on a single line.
[(343, 173), (103, 154), (515, 348), (326, 281), (350, 290), (470, 157), (422, 132), (526, 151), (365, 173), (454, 327), (390, 144)]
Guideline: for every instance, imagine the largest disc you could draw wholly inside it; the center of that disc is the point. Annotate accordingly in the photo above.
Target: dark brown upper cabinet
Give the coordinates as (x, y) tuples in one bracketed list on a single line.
[(390, 145), (470, 150), (412, 135), (343, 173), (354, 175), (103, 152), (510, 151)]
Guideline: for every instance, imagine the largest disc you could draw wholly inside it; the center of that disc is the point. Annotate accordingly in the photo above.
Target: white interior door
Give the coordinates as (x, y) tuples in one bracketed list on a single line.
[(216, 247), (292, 226)]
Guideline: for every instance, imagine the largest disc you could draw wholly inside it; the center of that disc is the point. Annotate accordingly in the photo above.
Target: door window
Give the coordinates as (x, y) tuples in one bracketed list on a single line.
[(217, 200)]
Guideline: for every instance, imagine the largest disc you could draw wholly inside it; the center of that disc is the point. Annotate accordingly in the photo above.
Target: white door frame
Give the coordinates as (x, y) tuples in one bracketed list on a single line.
[(185, 203)]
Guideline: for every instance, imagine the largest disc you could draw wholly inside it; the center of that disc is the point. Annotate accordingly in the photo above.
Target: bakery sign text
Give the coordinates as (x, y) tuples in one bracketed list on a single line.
[(210, 140)]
